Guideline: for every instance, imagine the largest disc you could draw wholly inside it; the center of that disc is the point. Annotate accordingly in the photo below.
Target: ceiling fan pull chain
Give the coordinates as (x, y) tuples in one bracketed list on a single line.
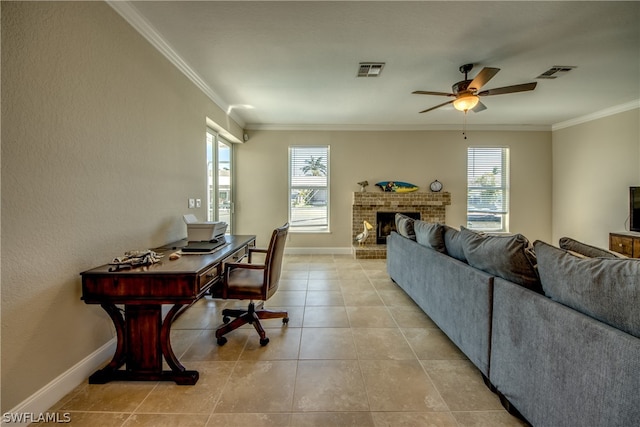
[(464, 125)]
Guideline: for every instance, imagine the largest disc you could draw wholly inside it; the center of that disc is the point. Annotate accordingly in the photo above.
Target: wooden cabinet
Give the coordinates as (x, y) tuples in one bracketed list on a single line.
[(626, 243)]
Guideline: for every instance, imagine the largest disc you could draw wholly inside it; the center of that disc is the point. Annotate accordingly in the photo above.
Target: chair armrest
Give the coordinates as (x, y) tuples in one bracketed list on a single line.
[(232, 265), (256, 250), (252, 249)]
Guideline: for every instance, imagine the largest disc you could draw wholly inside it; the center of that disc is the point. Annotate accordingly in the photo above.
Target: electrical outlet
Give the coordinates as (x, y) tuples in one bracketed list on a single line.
[(192, 203), (198, 203)]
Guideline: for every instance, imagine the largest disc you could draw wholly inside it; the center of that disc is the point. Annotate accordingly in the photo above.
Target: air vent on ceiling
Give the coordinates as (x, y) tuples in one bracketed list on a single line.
[(556, 71), (370, 69)]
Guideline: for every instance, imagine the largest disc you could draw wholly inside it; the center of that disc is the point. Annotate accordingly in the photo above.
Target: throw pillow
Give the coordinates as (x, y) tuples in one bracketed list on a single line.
[(570, 244), (404, 226), (508, 256), (430, 235), (607, 289), (453, 243)]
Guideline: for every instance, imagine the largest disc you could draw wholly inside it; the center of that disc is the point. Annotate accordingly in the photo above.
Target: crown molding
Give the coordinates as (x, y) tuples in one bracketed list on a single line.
[(140, 24), (393, 128), (597, 115)]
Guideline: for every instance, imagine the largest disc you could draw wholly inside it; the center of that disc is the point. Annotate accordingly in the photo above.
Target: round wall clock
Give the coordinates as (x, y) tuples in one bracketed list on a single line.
[(435, 186)]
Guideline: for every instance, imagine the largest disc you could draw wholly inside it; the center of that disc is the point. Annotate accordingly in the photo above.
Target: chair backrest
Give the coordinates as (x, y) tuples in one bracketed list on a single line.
[(273, 259)]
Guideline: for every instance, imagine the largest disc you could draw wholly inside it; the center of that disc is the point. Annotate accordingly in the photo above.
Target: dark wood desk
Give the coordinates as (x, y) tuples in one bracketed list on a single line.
[(143, 337)]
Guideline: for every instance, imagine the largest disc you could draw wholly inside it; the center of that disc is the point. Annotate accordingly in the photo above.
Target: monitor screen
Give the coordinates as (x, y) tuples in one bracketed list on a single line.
[(634, 208)]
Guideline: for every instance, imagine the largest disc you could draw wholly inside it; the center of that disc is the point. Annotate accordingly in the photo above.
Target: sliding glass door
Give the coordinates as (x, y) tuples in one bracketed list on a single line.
[(219, 179)]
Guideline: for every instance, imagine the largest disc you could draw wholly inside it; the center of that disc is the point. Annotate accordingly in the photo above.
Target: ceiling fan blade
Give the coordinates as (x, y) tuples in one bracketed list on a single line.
[(437, 106), (483, 77), (479, 107), (509, 89), (427, 92)]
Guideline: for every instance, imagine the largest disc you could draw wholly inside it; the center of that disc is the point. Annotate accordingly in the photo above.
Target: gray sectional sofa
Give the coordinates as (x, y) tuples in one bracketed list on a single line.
[(456, 296), (553, 332)]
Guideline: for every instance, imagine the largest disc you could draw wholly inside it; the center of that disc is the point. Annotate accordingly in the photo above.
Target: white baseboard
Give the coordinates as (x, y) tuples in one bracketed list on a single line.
[(47, 396), (319, 251)]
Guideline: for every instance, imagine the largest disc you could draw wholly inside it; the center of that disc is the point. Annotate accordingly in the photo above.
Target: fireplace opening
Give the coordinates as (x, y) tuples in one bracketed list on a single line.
[(386, 223)]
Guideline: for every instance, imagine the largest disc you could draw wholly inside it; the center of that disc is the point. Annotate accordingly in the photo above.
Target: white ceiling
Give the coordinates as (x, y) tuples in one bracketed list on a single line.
[(294, 63)]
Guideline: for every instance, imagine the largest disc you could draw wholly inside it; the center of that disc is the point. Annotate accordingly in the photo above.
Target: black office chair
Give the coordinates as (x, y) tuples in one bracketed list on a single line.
[(248, 281)]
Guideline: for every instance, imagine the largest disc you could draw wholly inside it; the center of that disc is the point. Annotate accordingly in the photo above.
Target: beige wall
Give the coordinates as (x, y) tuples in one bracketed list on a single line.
[(594, 163), (102, 144), (418, 157)]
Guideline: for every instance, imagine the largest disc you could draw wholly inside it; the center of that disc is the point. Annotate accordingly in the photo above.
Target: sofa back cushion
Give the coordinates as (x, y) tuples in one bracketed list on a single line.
[(607, 289), (404, 226), (508, 256), (453, 243), (430, 234), (586, 250)]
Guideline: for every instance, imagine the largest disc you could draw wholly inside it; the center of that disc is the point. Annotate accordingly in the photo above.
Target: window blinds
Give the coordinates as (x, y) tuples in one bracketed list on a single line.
[(487, 180)]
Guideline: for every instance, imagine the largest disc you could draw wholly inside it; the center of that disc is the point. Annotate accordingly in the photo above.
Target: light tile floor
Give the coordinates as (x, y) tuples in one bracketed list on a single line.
[(356, 352)]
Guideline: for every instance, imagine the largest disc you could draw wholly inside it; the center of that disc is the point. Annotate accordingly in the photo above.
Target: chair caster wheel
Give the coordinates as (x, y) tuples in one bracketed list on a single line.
[(285, 320), (264, 342), (222, 341), (225, 319)]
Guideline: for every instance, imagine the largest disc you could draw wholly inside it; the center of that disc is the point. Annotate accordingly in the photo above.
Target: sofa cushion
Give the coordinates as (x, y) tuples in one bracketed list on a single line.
[(508, 256), (607, 289), (453, 243), (430, 234), (404, 226), (586, 250)]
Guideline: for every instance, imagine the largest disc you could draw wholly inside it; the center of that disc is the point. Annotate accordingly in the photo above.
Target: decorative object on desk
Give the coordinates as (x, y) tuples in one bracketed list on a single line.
[(397, 186), (362, 185), (435, 186), (362, 237), (132, 259)]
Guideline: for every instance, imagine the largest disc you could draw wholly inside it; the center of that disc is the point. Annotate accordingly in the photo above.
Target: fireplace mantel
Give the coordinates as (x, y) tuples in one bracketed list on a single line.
[(366, 204)]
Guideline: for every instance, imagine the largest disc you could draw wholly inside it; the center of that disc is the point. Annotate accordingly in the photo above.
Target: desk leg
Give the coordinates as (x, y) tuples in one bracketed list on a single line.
[(143, 339), (103, 375), (178, 372)]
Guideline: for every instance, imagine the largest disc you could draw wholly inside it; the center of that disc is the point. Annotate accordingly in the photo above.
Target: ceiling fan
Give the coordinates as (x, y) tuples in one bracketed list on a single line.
[(467, 92)]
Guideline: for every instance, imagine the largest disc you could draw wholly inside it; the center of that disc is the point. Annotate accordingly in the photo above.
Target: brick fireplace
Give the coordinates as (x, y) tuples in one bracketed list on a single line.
[(431, 207)]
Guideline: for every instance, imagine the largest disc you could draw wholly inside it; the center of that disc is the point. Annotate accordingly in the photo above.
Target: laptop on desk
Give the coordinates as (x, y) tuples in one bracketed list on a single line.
[(204, 247)]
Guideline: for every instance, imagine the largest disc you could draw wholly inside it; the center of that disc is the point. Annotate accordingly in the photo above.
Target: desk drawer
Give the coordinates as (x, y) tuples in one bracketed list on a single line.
[(209, 277), (114, 288), (236, 256)]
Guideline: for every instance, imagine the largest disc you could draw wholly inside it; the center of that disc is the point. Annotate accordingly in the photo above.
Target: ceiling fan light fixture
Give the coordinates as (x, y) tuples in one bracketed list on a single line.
[(465, 103)]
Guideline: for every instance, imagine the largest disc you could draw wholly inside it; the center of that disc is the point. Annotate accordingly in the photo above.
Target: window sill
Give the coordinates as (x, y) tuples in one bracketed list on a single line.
[(309, 230)]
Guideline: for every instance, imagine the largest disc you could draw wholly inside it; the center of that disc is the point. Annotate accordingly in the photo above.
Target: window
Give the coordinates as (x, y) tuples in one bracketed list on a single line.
[(309, 188), (488, 189)]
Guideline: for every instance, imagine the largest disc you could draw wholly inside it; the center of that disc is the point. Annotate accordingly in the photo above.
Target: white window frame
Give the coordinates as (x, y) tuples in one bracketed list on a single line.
[(300, 181), (488, 189)]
